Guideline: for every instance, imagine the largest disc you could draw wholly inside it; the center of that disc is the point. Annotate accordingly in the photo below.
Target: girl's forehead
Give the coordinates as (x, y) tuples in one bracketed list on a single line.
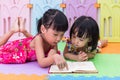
[(55, 31), (82, 36), (52, 30)]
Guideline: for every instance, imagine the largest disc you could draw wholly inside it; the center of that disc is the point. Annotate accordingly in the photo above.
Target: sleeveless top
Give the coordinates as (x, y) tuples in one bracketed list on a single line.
[(74, 50), (18, 51)]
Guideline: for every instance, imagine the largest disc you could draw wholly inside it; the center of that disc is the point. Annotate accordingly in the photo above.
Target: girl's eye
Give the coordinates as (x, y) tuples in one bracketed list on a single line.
[(55, 34), (73, 36), (81, 39)]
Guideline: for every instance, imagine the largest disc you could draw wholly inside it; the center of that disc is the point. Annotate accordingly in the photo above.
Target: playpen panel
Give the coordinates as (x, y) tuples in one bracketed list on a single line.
[(11, 10), (76, 8), (39, 7), (110, 21), (0, 20)]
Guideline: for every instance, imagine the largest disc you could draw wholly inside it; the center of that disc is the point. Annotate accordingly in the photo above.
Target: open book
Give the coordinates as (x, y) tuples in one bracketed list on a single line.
[(75, 67)]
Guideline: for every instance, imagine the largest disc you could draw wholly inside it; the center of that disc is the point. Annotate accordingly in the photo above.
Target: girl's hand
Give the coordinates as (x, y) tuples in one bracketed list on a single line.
[(60, 61), (82, 56)]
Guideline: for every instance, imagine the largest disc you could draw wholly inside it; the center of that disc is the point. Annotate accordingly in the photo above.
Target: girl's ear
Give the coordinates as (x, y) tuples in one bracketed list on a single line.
[(43, 29)]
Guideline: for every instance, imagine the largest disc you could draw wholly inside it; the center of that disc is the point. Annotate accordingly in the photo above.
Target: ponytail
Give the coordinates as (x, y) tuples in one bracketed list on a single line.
[(39, 25)]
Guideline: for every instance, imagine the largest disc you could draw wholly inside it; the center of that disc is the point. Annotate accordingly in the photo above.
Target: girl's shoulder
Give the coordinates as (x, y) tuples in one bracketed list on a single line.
[(37, 38)]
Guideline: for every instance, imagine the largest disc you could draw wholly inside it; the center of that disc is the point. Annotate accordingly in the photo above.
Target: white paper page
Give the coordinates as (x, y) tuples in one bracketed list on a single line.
[(87, 66)]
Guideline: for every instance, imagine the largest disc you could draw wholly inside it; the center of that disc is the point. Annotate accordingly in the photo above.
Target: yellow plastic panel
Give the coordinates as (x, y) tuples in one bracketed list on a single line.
[(110, 20)]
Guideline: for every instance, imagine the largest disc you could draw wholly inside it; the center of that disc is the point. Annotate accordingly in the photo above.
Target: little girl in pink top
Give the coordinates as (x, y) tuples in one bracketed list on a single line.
[(42, 47)]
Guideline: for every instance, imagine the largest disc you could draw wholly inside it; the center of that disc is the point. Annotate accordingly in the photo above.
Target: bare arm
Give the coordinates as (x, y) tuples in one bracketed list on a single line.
[(52, 58), (82, 56), (42, 60)]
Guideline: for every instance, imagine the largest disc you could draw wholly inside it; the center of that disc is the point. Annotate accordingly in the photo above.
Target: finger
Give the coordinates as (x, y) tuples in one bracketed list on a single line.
[(66, 65), (58, 66), (84, 55), (62, 66), (80, 52), (85, 58)]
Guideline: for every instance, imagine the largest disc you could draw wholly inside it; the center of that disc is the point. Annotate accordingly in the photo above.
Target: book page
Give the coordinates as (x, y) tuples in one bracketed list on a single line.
[(79, 67), (86, 66)]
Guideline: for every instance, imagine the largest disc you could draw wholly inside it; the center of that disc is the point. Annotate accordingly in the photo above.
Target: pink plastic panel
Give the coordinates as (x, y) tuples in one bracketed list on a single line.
[(0, 20), (10, 11)]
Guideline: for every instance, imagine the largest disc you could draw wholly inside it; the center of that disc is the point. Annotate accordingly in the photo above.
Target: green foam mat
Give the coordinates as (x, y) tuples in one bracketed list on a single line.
[(106, 64), (61, 46)]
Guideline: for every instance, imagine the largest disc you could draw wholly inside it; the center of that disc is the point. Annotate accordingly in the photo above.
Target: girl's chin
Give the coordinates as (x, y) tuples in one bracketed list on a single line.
[(54, 44), (77, 46)]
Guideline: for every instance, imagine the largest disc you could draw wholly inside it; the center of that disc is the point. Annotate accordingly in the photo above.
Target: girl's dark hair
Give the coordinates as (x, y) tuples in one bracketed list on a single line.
[(55, 19), (87, 25)]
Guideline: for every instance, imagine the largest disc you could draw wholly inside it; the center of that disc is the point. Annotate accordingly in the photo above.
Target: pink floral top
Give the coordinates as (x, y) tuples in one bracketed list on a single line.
[(17, 51)]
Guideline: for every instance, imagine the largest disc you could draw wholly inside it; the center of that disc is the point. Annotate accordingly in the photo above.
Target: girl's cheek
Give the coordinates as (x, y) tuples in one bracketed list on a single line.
[(73, 41)]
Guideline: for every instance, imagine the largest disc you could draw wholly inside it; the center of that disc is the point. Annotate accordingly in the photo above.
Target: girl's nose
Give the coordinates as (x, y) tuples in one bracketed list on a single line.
[(76, 42), (58, 39)]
